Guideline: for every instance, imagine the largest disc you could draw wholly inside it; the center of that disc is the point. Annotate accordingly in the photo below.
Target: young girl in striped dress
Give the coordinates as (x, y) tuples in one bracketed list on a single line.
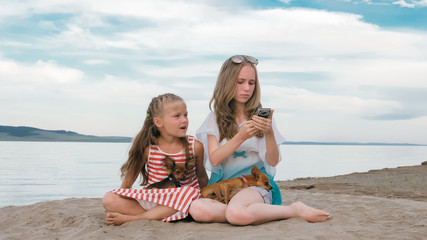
[(163, 134)]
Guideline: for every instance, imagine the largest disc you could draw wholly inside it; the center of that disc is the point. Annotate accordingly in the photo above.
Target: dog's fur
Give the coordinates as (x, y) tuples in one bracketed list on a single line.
[(177, 173), (224, 190)]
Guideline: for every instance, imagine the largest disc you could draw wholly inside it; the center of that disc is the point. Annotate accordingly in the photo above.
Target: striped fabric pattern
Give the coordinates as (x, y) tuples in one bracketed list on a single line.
[(177, 198)]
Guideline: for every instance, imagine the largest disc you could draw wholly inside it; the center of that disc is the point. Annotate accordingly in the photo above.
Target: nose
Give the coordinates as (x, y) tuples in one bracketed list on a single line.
[(246, 86)]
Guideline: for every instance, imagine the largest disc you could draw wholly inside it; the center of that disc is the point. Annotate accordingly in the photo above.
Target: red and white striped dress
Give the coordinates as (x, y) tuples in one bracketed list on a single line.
[(177, 198)]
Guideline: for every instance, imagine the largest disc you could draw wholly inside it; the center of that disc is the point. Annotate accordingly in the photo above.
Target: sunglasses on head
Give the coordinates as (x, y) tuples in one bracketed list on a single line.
[(240, 58)]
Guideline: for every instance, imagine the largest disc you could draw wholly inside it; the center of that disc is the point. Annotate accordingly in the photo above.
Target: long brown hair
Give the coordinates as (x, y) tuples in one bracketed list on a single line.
[(148, 136), (223, 98)]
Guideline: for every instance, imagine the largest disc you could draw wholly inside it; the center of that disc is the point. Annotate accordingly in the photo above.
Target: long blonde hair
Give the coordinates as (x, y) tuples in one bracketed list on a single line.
[(148, 136), (223, 98)]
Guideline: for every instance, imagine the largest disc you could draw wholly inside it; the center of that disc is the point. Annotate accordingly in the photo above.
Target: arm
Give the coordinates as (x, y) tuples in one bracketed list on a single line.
[(272, 149), (218, 154), (265, 125), (129, 180), (200, 168)]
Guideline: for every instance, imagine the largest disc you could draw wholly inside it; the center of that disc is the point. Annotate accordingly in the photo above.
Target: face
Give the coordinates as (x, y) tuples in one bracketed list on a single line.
[(245, 84), (174, 121)]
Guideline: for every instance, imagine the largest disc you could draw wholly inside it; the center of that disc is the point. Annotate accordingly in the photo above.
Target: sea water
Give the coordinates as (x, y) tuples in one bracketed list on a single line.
[(31, 172)]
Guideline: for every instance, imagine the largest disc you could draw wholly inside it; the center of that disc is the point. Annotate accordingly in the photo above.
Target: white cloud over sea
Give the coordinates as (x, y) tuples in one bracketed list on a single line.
[(93, 66)]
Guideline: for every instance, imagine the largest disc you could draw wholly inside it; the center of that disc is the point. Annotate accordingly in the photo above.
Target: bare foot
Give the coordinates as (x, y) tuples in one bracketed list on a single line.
[(117, 219), (310, 214)]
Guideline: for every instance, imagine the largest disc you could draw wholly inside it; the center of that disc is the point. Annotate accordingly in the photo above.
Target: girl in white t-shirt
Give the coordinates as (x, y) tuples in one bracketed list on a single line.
[(235, 140)]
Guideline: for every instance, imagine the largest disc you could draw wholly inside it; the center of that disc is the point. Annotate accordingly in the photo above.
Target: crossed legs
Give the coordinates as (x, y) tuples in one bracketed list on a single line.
[(121, 209)]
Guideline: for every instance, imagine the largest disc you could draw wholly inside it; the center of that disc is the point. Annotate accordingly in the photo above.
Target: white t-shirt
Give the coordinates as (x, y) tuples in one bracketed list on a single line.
[(251, 152)]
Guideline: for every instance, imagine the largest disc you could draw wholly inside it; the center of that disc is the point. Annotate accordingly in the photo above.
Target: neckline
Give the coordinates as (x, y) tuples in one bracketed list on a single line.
[(169, 154), (241, 124)]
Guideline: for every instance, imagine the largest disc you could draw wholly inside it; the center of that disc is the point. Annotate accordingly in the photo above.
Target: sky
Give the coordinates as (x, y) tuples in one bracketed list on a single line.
[(333, 71)]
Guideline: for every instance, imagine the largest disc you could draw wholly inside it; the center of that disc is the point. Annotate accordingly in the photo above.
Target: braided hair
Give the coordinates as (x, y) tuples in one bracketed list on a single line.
[(148, 136)]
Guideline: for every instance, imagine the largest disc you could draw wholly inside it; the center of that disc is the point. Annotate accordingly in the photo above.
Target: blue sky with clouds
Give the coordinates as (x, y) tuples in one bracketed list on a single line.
[(332, 70)]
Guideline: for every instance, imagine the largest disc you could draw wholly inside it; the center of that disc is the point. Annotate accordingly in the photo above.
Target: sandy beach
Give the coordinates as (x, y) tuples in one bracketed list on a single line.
[(379, 204)]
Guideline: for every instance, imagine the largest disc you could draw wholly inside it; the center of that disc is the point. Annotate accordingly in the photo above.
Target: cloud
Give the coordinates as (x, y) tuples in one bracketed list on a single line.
[(110, 56), (411, 3), (96, 61), (285, 1), (294, 100), (118, 90), (209, 30), (11, 43), (39, 73), (403, 3)]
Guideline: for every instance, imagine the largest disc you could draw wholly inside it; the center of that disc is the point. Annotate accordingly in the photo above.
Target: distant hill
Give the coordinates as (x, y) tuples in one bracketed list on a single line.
[(8, 133)]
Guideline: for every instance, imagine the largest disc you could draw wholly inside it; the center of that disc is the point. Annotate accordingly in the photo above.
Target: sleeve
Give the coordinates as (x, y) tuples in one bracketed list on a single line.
[(208, 127), (263, 149)]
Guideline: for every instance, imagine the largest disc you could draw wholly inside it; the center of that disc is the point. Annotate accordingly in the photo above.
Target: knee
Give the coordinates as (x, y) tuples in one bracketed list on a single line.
[(237, 216), (108, 200), (201, 212)]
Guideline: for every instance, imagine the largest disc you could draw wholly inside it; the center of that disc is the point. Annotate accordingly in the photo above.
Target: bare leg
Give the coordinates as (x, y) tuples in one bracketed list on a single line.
[(248, 207), (116, 203), (158, 212), (208, 210), (121, 209)]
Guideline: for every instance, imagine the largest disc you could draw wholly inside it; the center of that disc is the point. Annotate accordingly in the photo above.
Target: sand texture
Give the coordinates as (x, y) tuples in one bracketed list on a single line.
[(379, 204)]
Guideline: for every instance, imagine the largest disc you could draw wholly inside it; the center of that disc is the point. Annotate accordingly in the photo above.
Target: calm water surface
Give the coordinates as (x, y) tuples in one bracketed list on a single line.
[(39, 171)]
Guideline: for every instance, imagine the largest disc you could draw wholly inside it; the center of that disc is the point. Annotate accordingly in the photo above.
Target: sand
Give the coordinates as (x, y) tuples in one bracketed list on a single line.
[(379, 204)]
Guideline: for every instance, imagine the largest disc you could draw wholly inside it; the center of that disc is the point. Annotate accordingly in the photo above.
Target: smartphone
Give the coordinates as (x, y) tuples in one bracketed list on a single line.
[(263, 112)]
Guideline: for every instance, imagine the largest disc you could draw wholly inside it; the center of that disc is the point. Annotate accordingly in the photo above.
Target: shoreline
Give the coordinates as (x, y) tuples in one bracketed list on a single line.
[(365, 205)]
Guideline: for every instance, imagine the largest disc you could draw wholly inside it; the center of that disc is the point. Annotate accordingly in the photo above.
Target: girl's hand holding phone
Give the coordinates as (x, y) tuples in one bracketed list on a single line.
[(248, 129), (263, 124)]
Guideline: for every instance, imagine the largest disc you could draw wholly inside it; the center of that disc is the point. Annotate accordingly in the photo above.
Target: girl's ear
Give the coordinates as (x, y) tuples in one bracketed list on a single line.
[(157, 122)]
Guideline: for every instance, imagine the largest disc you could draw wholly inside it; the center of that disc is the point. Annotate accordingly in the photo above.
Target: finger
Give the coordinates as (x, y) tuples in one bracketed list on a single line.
[(257, 118), (248, 123), (254, 132), (263, 123), (258, 126)]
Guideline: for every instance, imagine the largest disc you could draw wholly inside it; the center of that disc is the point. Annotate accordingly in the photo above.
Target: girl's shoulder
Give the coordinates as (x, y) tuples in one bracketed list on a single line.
[(208, 126), (198, 147), (146, 153)]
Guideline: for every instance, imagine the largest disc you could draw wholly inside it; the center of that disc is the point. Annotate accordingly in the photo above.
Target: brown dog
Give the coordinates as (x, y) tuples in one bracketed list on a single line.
[(224, 190), (177, 173)]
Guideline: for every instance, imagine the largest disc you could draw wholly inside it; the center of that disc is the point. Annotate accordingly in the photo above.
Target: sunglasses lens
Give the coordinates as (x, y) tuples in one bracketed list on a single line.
[(252, 60), (240, 58), (237, 59)]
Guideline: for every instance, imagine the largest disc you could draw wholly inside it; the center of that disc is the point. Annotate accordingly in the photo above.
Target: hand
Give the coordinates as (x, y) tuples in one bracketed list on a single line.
[(248, 130), (263, 124)]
